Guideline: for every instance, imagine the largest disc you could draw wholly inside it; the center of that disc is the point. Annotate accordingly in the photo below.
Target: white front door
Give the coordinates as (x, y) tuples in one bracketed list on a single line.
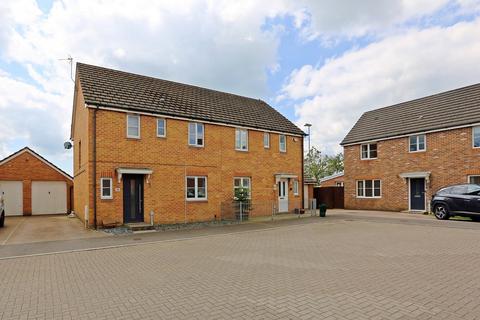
[(12, 193), (282, 195), (49, 197)]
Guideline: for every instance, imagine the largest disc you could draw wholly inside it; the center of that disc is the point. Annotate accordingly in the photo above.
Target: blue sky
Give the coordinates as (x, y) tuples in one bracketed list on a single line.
[(324, 62)]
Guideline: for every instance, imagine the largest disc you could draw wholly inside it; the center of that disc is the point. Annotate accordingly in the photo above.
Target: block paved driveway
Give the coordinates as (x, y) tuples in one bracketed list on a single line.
[(335, 268)]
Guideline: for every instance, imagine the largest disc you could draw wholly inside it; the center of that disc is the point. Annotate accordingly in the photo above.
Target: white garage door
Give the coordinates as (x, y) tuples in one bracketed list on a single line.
[(12, 192), (49, 197)]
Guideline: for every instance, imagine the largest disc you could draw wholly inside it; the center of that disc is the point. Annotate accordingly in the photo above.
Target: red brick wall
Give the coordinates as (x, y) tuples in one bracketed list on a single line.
[(27, 168), (171, 159), (449, 157), (332, 182)]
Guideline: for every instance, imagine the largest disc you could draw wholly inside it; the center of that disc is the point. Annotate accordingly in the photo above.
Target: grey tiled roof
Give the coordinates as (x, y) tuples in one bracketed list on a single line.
[(118, 89), (453, 108)]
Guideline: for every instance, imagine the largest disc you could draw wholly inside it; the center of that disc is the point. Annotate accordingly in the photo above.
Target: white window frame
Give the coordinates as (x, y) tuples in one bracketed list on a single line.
[(196, 198), (241, 136), (164, 127), (133, 136), (364, 188), (295, 187), (280, 143), (102, 188), (417, 143), (196, 124), (368, 151), (471, 176), (241, 183), (473, 137), (267, 144)]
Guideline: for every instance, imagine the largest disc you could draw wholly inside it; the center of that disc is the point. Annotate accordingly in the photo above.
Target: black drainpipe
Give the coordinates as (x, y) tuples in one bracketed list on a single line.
[(95, 168)]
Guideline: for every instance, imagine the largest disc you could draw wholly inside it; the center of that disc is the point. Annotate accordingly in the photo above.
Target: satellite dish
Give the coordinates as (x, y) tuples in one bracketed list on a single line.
[(67, 145)]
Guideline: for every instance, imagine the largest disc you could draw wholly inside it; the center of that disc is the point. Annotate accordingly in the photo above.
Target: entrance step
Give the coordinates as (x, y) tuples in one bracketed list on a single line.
[(140, 226)]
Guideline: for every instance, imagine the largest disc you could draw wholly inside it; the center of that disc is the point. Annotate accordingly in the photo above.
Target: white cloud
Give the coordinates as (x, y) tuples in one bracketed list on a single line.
[(395, 69), (327, 19)]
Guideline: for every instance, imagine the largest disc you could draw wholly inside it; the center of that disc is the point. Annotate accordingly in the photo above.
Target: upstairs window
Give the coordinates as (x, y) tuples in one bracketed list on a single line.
[(369, 189), (369, 151), (195, 134), (133, 126), (282, 140), (106, 188), (476, 137), (161, 128), (241, 139), (196, 188), (417, 143), (266, 140)]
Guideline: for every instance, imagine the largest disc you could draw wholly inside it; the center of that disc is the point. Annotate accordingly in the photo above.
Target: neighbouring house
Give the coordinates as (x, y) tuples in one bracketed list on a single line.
[(397, 157), (146, 147), (334, 180), (32, 185), (308, 184)]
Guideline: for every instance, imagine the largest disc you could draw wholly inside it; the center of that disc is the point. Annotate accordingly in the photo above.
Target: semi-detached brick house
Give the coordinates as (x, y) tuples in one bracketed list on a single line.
[(145, 145), (397, 157)]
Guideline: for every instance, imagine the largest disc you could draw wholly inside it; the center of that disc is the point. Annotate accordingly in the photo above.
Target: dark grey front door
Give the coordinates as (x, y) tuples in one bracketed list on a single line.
[(417, 194), (132, 198)]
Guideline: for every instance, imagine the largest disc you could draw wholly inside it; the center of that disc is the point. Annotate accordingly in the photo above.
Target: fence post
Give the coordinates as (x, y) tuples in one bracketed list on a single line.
[(241, 211)]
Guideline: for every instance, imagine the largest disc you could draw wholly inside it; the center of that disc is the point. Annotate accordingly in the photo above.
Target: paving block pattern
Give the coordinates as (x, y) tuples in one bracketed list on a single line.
[(335, 270)]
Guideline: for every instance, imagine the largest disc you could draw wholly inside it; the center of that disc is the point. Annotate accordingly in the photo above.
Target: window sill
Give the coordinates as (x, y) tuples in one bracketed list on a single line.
[(133, 138), (367, 159), (111, 198), (368, 197), (197, 200), (162, 137), (240, 150), (195, 146), (419, 151)]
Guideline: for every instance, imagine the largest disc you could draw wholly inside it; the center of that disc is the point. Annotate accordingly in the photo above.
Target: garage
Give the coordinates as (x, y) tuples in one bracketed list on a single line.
[(49, 197), (12, 192), (32, 185)]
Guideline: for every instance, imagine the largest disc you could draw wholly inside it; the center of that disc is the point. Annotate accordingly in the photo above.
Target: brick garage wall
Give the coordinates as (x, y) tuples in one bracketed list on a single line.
[(332, 182), (27, 168), (171, 159), (449, 157)]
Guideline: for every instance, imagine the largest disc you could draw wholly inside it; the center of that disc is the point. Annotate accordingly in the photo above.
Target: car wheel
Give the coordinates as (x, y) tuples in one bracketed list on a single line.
[(441, 212), (2, 220)]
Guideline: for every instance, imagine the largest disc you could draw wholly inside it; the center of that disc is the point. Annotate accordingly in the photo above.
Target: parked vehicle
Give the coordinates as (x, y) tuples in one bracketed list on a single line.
[(458, 200), (2, 212)]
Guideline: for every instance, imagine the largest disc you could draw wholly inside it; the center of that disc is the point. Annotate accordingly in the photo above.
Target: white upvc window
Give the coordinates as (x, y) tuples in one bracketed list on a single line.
[(295, 187), (417, 143), (368, 151), (106, 188), (196, 134), (476, 137), (282, 143), (133, 126), (266, 140), (196, 188), (242, 182), (241, 139), (369, 188), (161, 127), (475, 179)]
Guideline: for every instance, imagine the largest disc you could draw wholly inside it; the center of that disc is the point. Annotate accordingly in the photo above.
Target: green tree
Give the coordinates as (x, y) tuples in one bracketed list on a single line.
[(318, 165)]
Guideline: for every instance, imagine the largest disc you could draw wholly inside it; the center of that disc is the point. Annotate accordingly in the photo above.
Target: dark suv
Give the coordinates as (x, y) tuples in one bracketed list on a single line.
[(460, 200)]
